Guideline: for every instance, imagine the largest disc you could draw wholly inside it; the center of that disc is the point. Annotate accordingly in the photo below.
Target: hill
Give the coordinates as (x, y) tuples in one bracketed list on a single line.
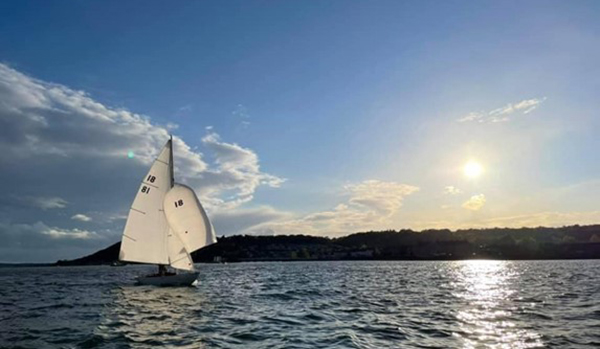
[(106, 256), (573, 242)]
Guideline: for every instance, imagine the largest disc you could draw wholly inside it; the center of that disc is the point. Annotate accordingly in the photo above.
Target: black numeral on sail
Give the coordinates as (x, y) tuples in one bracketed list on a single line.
[(178, 203), (145, 189), (151, 178)]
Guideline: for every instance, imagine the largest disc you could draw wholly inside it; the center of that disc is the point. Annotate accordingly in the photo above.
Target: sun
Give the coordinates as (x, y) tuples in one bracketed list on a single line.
[(472, 169)]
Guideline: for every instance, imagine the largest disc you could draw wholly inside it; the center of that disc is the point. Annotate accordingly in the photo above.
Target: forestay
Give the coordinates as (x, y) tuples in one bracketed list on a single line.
[(145, 234)]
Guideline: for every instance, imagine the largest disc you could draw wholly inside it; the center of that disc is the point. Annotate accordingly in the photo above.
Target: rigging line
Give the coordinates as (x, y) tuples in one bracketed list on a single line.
[(136, 210)]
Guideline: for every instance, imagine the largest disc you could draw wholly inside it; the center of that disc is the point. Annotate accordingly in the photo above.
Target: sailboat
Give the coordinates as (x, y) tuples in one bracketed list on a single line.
[(166, 223)]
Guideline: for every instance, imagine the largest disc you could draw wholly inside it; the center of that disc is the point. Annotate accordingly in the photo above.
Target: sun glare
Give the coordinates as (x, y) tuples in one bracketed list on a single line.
[(472, 169)]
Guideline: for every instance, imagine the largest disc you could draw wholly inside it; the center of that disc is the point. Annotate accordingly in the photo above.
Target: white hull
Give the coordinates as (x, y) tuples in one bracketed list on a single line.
[(184, 279)]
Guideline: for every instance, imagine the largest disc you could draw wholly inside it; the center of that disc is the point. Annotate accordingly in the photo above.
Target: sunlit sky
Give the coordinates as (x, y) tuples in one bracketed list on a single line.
[(321, 118)]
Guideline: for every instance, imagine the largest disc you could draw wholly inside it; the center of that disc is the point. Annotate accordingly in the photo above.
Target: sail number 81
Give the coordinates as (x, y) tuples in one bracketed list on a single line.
[(178, 203)]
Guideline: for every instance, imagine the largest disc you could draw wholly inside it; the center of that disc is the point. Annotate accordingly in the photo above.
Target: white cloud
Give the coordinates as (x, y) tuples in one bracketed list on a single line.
[(116, 217), (472, 116), (72, 152), (81, 217), (385, 198), (452, 190), (38, 242), (241, 111), (505, 113), (475, 203), (184, 111), (57, 233), (237, 172), (186, 108), (45, 203), (541, 219), (371, 205), (241, 221), (41, 121), (171, 126)]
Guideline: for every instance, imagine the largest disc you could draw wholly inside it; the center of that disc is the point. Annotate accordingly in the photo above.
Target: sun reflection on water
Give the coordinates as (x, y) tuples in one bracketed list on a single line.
[(484, 289)]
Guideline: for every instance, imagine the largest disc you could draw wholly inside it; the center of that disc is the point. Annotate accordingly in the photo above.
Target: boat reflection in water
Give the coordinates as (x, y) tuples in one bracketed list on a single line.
[(487, 292), (150, 316)]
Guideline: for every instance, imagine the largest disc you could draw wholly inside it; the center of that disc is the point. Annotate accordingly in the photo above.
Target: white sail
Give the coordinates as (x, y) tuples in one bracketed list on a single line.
[(211, 238), (145, 234), (187, 218), (179, 258)]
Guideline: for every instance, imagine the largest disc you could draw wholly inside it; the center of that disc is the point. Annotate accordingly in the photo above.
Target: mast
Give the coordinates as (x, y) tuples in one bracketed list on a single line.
[(162, 269), (171, 162)]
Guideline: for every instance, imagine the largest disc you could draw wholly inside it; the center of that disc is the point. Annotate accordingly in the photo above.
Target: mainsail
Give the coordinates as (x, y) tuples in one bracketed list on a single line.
[(145, 234)]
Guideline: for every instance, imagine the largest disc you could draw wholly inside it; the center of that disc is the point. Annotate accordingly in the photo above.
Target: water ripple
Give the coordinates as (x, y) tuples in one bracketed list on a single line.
[(470, 304)]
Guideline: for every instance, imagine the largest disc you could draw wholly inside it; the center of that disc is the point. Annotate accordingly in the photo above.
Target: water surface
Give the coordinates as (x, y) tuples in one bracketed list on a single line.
[(465, 304)]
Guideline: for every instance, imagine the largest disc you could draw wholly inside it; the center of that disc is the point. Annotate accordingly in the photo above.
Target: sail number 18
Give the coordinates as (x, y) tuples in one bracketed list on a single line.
[(178, 203), (150, 179)]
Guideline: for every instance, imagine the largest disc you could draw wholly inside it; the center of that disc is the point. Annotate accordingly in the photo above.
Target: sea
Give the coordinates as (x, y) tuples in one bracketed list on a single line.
[(345, 304)]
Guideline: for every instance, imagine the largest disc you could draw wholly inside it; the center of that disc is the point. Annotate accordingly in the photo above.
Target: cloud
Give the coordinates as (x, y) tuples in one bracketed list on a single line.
[(186, 108), (385, 198), (236, 171), (541, 219), (69, 234), (242, 221), (38, 242), (61, 149), (42, 119), (452, 190), (45, 203), (475, 203), (505, 113), (55, 122), (371, 205), (81, 217), (171, 126), (241, 112), (184, 111)]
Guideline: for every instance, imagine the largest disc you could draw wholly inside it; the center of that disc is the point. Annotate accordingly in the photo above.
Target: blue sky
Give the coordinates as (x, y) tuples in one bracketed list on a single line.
[(323, 118)]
